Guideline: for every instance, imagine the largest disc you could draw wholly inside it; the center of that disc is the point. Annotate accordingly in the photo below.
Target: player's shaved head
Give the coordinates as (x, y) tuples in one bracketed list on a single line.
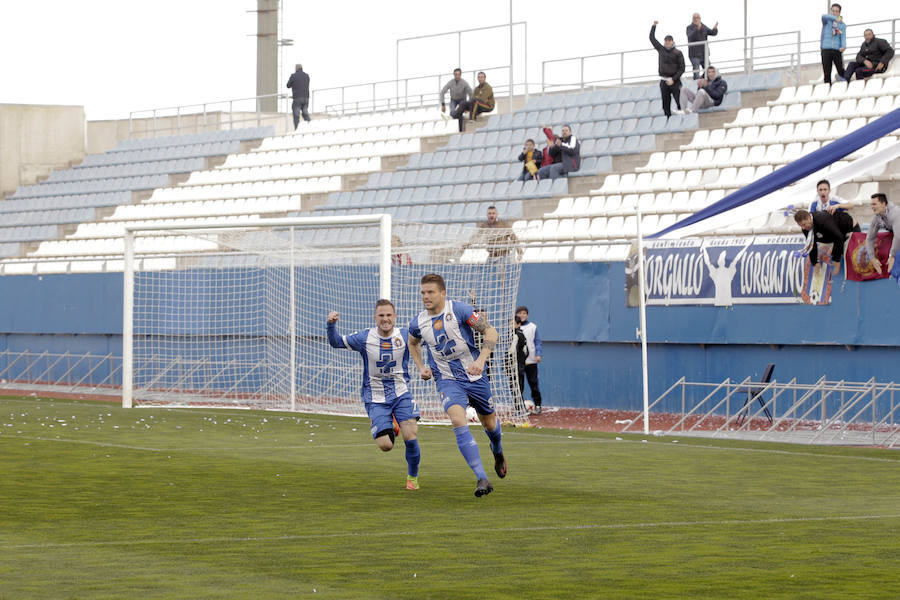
[(385, 302), (435, 279)]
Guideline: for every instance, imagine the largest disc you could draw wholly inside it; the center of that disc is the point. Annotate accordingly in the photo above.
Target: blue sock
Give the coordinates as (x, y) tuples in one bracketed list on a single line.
[(412, 457), (469, 448), (494, 436)]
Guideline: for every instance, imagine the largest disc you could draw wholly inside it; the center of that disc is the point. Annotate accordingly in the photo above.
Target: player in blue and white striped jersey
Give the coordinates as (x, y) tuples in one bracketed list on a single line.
[(448, 329), (385, 385)]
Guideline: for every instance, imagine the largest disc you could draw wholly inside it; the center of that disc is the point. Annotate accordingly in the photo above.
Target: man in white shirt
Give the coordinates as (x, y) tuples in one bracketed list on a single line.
[(535, 351)]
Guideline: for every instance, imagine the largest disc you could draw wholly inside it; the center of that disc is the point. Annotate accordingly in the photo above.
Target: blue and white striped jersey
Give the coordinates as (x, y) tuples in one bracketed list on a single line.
[(385, 361), (450, 340)]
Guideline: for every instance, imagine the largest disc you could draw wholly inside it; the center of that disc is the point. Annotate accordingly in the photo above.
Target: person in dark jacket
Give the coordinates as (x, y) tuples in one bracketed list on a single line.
[(568, 148), (698, 32), (671, 68), (299, 84), (531, 160), (710, 92), (824, 228), (874, 56)]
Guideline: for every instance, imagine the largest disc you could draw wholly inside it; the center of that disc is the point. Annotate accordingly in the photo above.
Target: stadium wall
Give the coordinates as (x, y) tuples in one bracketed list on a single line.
[(35, 139), (591, 353)]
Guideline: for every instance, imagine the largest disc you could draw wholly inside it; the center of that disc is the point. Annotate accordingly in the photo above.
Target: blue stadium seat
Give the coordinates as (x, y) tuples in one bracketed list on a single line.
[(614, 128), (543, 187), (406, 195), (413, 162), (613, 111), (601, 129), (491, 155), (559, 187), (504, 138)]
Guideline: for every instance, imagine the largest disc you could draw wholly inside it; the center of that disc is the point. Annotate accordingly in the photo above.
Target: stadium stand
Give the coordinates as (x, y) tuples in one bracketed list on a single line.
[(388, 161)]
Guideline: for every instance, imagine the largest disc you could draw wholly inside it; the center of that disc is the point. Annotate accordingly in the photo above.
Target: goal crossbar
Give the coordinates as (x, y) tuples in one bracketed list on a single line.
[(382, 219)]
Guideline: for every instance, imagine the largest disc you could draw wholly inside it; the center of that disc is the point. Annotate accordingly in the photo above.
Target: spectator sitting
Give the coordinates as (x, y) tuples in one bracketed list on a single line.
[(547, 152), (671, 68), (697, 32), (460, 92), (874, 56), (531, 159), (710, 92), (482, 100), (825, 200), (568, 148)]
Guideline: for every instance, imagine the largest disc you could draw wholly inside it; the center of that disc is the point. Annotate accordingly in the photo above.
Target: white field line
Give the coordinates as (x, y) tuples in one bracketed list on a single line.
[(526, 440), (446, 532)]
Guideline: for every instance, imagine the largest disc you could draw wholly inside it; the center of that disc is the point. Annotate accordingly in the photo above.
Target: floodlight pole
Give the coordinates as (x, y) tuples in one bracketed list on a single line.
[(643, 319)]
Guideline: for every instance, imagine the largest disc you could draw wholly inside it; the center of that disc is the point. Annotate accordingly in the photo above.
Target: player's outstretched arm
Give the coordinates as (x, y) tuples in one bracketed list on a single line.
[(334, 338), (487, 345), (415, 351)]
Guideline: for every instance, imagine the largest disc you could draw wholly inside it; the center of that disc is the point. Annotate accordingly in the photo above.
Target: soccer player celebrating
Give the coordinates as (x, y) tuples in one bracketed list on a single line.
[(448, 327), (385, 385)]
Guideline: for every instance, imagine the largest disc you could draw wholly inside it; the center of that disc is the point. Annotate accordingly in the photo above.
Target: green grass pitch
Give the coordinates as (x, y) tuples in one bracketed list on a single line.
[(101, 502)]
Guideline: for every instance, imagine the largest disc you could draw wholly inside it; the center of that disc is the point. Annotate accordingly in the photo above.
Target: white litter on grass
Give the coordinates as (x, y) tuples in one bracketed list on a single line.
[(618, 439), (643, 441), (624, 421)]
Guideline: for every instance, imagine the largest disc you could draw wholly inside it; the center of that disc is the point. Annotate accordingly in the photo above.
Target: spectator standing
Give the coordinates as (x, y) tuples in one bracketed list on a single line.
[(482, 101), (299, 84), (497, 235), (460, 94), (824, 228), (398, 256), (873, 57), (531, 161), (711, 91), (535, 351), (518, 351), (671, 68), (834, 41), (567, 148), (825, 200), (887, 217), (698, 32)]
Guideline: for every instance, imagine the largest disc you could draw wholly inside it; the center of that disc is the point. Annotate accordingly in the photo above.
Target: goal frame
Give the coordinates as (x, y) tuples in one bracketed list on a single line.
[(384, 263)]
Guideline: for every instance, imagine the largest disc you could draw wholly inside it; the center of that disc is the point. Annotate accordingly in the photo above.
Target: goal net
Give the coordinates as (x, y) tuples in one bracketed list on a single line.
[(232, 316)]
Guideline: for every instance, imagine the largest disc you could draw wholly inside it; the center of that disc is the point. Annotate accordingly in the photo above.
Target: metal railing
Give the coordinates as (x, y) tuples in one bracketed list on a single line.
[(233, 113), (767, 51), (824, 412), (393, 94)]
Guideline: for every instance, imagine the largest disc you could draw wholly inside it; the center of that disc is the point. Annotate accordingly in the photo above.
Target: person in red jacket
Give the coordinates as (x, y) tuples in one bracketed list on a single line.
[(566, 151)]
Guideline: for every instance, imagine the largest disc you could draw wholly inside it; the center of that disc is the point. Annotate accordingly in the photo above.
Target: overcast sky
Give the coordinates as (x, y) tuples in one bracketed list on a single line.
[(115, 56)]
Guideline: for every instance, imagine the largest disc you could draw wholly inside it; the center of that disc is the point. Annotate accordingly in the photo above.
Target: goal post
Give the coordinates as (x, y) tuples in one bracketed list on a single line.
[(233, 314)]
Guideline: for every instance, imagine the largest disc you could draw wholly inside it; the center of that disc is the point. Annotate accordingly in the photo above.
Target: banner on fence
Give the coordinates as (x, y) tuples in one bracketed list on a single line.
[(722, 272)]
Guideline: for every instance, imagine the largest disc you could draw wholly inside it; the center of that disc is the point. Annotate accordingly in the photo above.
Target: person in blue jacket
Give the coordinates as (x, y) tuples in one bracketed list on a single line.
[(834, 41)]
